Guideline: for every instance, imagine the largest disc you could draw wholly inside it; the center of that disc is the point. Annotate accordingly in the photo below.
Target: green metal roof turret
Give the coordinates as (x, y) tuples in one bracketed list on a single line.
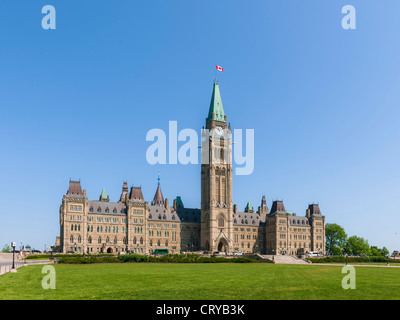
[(216, 105), (104, 196), (249, 207), (179, 203)]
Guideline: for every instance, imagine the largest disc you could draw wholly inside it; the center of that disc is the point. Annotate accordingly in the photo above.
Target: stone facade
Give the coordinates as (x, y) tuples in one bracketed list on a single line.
[(133, 225)]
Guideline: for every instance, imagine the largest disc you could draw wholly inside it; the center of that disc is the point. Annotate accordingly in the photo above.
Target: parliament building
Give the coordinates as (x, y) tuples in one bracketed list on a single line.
[(134, 225)]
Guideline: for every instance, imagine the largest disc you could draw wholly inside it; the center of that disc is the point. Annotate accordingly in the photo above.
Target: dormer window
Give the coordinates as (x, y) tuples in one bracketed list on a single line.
[(98, 209), (107, 210), (150, 216), (91, 209), (115, 210)]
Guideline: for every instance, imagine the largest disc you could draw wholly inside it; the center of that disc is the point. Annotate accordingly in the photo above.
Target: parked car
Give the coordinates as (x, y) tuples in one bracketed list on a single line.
[(219, 253), (239, 253)]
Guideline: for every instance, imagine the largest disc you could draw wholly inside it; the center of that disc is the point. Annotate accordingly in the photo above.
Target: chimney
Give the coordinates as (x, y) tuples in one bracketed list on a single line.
[(234, 208), (84, 192), (166, 204), (175, 207), (308, 213), (294, 214)]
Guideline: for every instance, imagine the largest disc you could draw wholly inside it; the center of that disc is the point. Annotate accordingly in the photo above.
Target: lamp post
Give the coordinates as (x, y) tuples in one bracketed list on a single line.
[(13, 249), (346, 259)]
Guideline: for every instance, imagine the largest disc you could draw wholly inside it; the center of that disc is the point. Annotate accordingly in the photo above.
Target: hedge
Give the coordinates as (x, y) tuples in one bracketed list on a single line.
[(341, 259), (88, 260), (47, 256), (169, 258)]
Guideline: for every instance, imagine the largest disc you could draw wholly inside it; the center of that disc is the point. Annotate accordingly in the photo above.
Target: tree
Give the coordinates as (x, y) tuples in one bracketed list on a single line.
[(356, 246), (6, 248), (375, 251), (335, 237), (385, 251)]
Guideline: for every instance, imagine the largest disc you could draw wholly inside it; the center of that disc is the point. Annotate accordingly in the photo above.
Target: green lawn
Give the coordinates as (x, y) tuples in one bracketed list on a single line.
[(200, 281)]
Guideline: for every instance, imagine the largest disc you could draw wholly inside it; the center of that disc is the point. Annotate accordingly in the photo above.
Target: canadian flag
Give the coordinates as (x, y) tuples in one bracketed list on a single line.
[(219, 68)]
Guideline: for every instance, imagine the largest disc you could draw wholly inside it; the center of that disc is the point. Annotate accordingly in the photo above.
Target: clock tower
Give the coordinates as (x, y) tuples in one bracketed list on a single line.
[(216, 179)]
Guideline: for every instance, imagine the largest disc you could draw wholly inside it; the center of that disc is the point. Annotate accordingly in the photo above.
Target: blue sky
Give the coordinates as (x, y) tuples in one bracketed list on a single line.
[(77, 102)]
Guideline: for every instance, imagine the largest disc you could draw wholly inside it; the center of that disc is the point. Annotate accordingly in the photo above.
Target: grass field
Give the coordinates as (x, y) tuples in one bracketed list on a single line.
[(200, 281)]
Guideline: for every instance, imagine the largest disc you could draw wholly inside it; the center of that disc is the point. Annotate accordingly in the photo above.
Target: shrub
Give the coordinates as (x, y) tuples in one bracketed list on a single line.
[(341, 259), (89, 259)]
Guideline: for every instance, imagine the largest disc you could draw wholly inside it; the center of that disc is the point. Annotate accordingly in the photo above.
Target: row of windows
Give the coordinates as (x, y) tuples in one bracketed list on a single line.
[(106, 229), (159, 233), (75, 208), (290, 244), (107, 210), (75, 227)]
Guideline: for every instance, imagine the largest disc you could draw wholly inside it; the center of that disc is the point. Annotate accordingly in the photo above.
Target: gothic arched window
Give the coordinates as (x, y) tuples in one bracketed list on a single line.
[(221, 221)]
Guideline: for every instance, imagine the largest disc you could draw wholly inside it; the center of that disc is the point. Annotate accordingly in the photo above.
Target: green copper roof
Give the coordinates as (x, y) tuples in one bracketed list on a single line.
[(179, 202), (216, 105), (248, 207), (104, 194)]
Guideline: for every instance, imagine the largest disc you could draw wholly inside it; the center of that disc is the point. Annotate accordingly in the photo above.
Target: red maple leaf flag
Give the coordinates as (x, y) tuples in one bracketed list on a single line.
[(219, 68)]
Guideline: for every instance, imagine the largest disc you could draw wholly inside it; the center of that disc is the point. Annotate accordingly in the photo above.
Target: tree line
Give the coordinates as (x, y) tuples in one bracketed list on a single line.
[(338, 243)]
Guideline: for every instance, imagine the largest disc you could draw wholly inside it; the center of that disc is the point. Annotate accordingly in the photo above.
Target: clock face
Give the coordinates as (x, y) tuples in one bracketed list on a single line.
[(219, 131)]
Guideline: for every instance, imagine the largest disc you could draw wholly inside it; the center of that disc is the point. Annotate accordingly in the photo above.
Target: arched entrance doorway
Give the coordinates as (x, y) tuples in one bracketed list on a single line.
[(109, 250), (222, 245)]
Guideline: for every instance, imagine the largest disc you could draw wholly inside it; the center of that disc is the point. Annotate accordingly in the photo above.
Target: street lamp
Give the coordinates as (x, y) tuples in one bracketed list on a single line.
[(13, 248), (346, 259)]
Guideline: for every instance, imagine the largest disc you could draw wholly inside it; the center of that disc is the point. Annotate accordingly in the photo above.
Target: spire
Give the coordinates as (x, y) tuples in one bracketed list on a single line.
[(264, 207), (216, 107), (125, 191), (158, 197)]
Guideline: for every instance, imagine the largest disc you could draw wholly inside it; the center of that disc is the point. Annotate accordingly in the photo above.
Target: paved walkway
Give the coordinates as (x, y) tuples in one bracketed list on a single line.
[(6, 262)]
